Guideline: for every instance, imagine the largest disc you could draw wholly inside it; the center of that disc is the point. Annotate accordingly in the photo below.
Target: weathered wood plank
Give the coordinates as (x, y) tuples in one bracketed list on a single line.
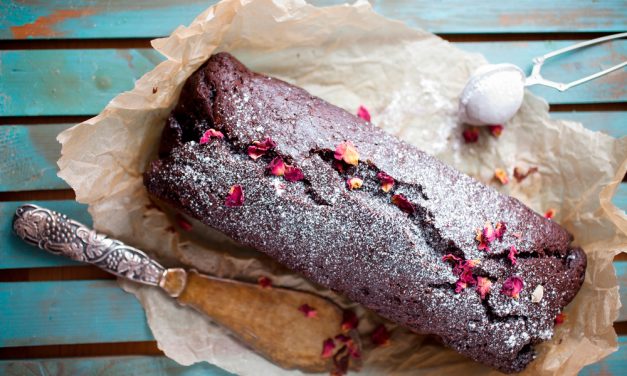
[(81, 82), (148, 19), (621, 274), (108, 366), (158, 365), (68, 82), (29, 152), (613, 365), (69, 312), (29, 157), (14, 253)]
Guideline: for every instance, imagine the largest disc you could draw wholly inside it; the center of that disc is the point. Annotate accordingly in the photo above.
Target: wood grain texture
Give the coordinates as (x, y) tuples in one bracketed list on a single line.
[(148, 19), (29, 157), (82, 82), (108, 366), (64, 312)]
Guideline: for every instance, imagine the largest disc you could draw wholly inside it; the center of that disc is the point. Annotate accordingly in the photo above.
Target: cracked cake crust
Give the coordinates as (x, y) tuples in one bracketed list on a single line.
[(356, 242)]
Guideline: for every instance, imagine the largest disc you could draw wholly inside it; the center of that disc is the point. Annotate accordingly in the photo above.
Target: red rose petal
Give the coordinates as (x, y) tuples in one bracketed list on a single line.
[(485, 236), (363, 113), (293, 174), (209, 134), (276, 167), (512, 287), (499, 230), (264, 282), (460, 286), (353, 350), (451, 257), (259, 148), (340, 361), (346, 152), (471, 135), (339, 166), (327, 348), (354, 183), (501, 176), (183, 223), (519, 176), (387, 182), (560, 318), (483, 286), (512, 255), (349, 320), (549, 214), (495, 130), (403, 203), (235, 197), (380, 336), (308, 311)]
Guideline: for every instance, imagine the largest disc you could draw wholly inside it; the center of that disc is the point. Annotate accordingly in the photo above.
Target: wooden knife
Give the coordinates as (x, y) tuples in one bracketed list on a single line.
[(266, 319)]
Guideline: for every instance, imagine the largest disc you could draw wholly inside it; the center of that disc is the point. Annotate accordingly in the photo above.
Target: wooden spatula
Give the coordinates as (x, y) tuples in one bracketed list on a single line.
[(273, 321)]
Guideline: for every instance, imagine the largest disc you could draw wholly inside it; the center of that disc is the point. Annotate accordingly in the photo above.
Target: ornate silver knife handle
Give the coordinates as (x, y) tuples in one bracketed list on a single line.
[(60, 235)]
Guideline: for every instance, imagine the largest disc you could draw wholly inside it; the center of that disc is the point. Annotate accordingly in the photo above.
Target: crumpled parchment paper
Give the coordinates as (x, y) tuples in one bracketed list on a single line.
[(410, 80)]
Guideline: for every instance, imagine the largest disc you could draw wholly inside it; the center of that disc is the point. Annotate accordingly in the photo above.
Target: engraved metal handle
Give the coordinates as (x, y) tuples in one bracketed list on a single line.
[(60, 235)]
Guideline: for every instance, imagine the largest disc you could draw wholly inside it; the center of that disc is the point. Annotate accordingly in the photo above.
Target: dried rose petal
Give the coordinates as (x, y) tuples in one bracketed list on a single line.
[(259, 148), (276, 167), (485, 236), (353, 349), (346, 152), (354, 183), (293, 174), (343, 338), (340, 361), (537, 294), (483, 286), (387, 182), (471, 135), (339, 166), (495, 130), (560, 318), (459, 286), (209, 134), (349, 320), (471, 263), (499, 230), (519, 176), (308, 311), (451, 257), (235, 197), (549, 214), (363, 113), (512, 287), (512, 254), (380, 336), (501, 176), (183, 223), (403, 203), (466, 277), (327, 348), (264, 282)]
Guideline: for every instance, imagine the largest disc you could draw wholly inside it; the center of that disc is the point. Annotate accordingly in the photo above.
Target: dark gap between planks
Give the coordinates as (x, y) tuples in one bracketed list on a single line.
[(27, 44), (81, 350)]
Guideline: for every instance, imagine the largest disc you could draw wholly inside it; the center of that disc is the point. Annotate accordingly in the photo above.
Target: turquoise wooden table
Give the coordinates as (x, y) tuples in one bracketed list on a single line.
[(61, 61)]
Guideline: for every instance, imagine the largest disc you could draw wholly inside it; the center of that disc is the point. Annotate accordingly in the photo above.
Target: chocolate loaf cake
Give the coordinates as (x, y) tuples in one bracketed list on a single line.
[(354, 209)]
